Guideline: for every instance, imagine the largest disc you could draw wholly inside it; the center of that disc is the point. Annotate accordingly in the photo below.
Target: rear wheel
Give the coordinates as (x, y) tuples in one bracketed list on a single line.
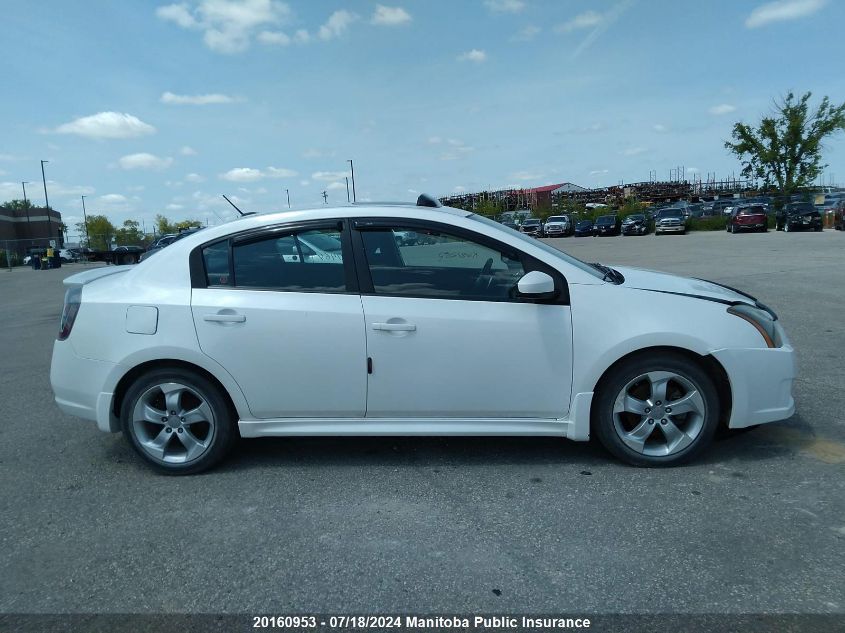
[(178, 421), (659, 409)]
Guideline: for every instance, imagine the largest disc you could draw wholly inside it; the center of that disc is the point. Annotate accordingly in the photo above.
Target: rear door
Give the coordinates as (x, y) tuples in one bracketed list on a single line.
[(279, 310)]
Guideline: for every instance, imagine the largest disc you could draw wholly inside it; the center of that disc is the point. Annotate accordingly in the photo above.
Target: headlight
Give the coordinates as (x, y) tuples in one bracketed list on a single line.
[(760, 319)]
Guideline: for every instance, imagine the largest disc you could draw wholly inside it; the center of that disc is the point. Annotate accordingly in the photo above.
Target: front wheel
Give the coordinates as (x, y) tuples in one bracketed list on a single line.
[(656, 410), (178, 421)]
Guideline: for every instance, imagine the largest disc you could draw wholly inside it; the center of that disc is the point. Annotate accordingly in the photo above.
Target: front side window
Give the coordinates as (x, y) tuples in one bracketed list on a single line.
[(306, 261), (438, 265)]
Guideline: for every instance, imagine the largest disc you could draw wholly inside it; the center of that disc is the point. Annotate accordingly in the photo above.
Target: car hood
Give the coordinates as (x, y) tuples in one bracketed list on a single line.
[(641, 279)]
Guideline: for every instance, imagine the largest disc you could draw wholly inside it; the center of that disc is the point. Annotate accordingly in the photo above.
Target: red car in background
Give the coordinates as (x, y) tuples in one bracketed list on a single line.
[(748, 218)]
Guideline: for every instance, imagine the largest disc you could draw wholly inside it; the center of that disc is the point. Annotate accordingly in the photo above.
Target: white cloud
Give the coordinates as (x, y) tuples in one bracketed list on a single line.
[(13, 191), (390, 16), (659, 127), (723, 108), (302, 36), (327, 176), (337, 24), (434, 140), (459, 189), (634, 151), (782, 11), (242, 174), (178, 13), (505, 6), (597, 23), (336, 185), (474, 55), (144, 160), (107, 125), (273, 38), (597, 172), (249, 174), (228, 26), (175, 207), (312, 153), (526, 33), (527, 175), (279, 172), (304, 183), (586, 20), (185, 150), (207, 99), (194, 178)]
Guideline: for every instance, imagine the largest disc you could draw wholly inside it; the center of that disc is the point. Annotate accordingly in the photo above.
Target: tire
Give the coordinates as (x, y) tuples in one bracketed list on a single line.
[(639, 377), (786, 227), (733, 229), (166, 442)]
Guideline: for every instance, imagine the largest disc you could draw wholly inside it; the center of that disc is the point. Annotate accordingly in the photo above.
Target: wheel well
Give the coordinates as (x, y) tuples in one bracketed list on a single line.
[(712, 366), (133, 374)]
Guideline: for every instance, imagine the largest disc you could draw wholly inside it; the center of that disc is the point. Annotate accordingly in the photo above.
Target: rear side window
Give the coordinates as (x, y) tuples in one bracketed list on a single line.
[(306, 261)]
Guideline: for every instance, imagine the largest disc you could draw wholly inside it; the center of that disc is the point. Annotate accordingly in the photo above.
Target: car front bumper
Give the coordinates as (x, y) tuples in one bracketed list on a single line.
[(80, 386), (670, 229), (761, 383)]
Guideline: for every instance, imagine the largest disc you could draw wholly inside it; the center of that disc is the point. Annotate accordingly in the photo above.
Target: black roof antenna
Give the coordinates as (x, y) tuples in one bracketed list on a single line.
[(236, 207), (426, 200)]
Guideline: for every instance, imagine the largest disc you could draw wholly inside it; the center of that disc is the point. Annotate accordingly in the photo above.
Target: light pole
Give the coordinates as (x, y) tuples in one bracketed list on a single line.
[(26, 204), (287, 192), (347, 188), (352, 169), (47, 201), (325, 197), (85, 219)]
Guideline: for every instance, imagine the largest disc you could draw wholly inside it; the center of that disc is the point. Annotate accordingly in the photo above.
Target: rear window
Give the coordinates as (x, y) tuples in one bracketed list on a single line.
[(751, 211)]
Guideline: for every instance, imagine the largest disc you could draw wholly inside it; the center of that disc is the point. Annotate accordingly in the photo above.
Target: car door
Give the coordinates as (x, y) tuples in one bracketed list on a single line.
[(446, 335), (285, 320)]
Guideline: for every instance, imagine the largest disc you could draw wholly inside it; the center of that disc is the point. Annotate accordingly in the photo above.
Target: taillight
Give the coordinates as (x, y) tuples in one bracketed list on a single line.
[(73, 299)]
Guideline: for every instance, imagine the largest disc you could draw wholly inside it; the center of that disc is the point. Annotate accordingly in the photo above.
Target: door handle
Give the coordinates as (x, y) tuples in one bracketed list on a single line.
[(224, 318), (395, 327)]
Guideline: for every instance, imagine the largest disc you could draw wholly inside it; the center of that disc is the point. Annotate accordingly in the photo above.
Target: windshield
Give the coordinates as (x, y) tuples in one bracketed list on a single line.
[(606, 219), (635, 218), (557, 218), (669, 213), (800, 207), (569, 259)]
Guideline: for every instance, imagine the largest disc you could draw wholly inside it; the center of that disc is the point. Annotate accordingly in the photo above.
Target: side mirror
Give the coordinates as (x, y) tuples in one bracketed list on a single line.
[(536, 285)]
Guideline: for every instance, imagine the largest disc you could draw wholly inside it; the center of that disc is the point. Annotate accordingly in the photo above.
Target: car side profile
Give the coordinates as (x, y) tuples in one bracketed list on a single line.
[(238, 330), (798, 216)]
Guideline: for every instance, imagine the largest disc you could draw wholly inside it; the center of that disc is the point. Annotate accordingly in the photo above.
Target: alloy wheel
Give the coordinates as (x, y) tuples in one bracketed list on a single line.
[(173, 423), (659, 413)]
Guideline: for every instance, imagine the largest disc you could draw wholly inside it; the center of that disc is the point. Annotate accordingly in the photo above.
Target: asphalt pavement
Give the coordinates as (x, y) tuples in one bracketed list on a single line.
[(441, 525)]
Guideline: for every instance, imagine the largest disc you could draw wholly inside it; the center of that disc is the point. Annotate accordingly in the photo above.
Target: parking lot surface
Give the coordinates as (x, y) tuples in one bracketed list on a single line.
[(441, 525)]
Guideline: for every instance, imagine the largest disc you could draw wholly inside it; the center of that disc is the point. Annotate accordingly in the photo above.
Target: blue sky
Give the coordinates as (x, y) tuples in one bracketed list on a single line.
[(155, 107)]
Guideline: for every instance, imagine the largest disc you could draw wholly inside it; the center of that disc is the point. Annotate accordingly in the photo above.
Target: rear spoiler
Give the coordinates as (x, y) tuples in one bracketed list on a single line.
[(80, 279)]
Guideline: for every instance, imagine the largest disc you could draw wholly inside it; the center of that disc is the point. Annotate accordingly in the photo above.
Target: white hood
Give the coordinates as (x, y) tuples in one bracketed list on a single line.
[(664, 282)]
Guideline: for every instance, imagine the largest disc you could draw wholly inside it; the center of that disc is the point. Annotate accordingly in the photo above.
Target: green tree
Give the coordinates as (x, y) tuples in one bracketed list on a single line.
[(100, 232), (785, 148), (187, 224), (18, 205), (130, 234), (165, 226)]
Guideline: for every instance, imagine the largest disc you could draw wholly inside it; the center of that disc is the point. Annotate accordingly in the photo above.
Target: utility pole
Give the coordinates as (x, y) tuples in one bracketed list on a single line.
[(85, 219), (352, 169), (347, 188), (287, 192), (47, 201), (325, 197), (26, 205)]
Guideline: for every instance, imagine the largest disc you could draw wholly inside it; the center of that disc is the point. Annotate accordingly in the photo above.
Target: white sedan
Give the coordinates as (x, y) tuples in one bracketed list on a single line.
[(250, 329)]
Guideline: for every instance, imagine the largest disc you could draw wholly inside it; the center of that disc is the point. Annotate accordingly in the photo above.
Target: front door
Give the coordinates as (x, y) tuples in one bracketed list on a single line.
[(446, 335)]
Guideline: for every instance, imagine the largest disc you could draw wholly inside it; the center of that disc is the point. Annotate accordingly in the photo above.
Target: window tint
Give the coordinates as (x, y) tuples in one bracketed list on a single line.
[(216, 258), (427, 263), (310, 261)]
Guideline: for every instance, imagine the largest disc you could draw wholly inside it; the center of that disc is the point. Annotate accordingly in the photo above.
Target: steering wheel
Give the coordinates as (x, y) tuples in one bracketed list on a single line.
[(485, 272)]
